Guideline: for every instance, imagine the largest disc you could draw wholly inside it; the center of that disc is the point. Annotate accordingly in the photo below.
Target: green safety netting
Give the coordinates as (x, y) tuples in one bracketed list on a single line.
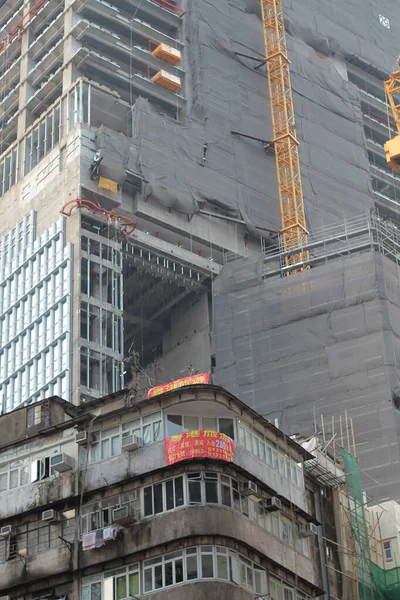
[(374, 583)]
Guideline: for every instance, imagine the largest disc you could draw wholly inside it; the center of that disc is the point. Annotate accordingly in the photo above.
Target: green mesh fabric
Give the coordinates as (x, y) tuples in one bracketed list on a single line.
[(374, 583)]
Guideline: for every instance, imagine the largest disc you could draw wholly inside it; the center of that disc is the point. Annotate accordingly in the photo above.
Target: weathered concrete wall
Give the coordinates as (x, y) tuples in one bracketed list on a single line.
[(56, 488), (211, 590), (134, 464), (195, 521), (187, 343), (37, 566)]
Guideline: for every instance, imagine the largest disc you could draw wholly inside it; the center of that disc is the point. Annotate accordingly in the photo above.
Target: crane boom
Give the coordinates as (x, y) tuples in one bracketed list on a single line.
[(392, 146), (293, 222)]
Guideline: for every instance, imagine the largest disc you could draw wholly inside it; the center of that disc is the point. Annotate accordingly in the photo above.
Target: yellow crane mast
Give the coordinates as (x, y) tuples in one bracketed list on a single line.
[(392, 146), (293, 221)]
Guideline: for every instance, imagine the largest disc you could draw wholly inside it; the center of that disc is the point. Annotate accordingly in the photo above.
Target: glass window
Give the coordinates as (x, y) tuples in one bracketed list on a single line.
[(148, 501), (207, 562), (174, 425), (148, 580), (120, 587), (3, 482), (163, 496), (226, 426), (222, 566), (226, 491), (209, 423), (388, 552), (211, 487), (178, 570), (194, 488), (191, 564), (191, 423), (158, 498), (287, 594), (286, 532), (133, 581), (152, 428), (174, 493)]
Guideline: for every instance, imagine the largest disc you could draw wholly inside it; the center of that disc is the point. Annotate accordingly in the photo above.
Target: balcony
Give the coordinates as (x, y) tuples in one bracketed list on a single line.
[(195, 521), (151, 458)]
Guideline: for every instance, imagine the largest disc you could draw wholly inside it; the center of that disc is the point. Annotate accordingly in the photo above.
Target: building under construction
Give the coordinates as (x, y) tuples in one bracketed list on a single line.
[(151, 226)]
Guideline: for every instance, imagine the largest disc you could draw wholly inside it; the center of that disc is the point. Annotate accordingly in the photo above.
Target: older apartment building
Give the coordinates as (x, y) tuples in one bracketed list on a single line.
[(185, 494)]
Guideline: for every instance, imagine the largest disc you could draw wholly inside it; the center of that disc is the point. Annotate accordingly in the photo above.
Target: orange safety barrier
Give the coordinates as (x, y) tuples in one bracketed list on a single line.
[(171, 7), (19, 27)]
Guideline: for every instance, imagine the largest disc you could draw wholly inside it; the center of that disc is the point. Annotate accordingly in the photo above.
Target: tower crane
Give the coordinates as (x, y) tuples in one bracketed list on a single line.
[(293, 230), (392, 146)]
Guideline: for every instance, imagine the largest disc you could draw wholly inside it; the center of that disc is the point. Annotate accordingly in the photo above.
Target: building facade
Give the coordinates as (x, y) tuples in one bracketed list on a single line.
[(136, 164), (96, 506)]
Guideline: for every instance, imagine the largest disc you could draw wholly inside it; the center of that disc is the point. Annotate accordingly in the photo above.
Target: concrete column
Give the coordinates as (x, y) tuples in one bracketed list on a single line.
[(69, 73), (25, 118)]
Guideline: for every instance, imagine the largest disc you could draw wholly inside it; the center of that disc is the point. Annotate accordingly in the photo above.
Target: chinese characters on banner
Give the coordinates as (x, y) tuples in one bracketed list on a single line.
[(198, 444), (202, 378)]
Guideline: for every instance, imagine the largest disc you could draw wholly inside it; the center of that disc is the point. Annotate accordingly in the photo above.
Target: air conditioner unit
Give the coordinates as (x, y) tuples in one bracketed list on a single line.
[(272, 504), (50, 515), (7, 531), (308, 529), (61, 462), (82, 438), (249, 488), (131, 442), (123, 515)]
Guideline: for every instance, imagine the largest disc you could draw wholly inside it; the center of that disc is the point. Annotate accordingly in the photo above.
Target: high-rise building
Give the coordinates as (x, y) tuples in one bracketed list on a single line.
[(136, 168)]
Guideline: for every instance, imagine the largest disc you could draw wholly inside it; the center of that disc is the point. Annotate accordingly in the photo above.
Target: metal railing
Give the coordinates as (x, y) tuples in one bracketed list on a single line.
[(366, 232)]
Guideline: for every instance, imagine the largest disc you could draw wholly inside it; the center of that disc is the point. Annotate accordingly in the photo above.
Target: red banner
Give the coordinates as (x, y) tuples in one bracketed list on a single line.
[(202, 378), (198, 444)]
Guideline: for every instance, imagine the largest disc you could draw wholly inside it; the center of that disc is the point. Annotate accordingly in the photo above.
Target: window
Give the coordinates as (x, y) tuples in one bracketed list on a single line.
[(388, 551), (105, 444), (13, 475), (149, 428), (40, 469), (34, 415), (90, 590), (100, 514), (164, 496), (39, 538), (212, 488), (178, 423), (203, 562), (11, 547), (122, 583), (286, 531), (269, 453), (29, 336)]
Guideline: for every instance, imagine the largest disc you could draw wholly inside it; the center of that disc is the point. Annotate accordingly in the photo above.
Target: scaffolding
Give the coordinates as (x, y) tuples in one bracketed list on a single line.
[(366, 232), (374, 583)]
